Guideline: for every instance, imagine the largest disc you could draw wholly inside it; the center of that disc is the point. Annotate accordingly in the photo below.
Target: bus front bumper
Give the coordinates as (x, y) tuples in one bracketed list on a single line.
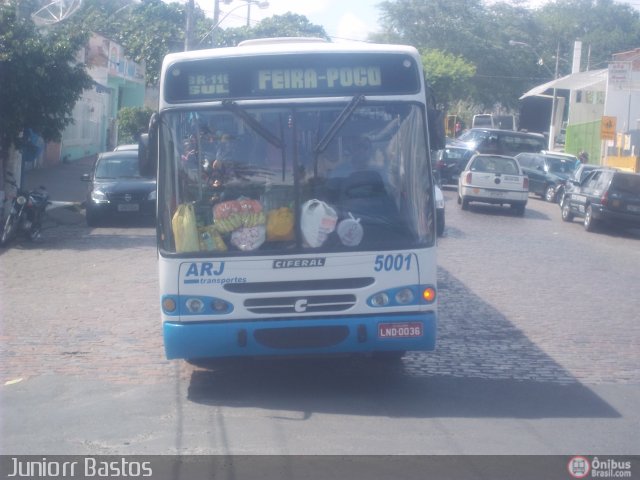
[(385, 333)]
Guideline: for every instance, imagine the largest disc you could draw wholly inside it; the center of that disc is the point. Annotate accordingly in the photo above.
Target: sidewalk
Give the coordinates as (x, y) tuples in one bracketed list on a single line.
[(66, 191)]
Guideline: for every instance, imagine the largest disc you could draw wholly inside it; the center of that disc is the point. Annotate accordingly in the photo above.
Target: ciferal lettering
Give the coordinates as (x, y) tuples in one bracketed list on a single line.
[(299, 262)]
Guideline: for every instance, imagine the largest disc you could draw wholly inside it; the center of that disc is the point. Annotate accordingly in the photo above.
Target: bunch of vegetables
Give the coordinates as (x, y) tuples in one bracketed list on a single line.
[(235, 214), (244, 220)]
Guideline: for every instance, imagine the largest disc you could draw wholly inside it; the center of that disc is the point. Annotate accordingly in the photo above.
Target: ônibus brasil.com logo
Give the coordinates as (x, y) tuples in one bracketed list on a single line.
[(579, 467)]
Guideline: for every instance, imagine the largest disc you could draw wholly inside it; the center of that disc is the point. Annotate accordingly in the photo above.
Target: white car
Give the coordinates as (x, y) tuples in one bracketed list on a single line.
[(495, 179)]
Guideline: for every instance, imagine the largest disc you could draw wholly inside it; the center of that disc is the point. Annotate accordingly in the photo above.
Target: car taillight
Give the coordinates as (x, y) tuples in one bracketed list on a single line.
[(604, 199), (468, 179), (525, 183)]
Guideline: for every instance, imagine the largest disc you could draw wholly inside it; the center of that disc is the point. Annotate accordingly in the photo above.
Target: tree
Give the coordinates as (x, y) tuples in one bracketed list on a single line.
[(448, 76), (462, 28), (132, 121), (479, 32), (287, 25), (147, 30), (605, 27), (41, 81)]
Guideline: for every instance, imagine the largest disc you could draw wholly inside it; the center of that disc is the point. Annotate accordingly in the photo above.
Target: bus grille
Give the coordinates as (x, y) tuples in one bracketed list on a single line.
[(301, 304), (298, 285)]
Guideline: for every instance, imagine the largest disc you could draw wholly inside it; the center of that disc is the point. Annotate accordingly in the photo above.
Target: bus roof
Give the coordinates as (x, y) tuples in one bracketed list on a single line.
[(280, 46)]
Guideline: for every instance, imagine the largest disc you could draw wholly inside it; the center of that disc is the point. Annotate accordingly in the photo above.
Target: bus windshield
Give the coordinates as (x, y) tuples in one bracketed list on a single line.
[(287, 178)]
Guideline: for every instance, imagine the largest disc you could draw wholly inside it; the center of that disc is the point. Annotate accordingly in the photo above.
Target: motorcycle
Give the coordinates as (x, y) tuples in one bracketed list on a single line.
[(26, 212)]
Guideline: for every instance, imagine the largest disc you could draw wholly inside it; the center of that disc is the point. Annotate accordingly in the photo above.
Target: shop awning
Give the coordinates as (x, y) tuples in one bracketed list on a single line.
[(593, 80)]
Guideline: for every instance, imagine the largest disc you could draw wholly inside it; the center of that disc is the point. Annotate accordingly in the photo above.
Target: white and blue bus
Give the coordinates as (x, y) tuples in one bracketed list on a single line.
[(295, 201)]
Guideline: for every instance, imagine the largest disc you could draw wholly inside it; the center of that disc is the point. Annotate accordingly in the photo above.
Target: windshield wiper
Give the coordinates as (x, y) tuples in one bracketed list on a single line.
[(338, 123), (235, 109)]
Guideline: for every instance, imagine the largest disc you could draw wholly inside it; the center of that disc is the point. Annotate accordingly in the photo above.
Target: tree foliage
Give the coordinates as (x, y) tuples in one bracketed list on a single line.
[(287, 25), (447, 75), (147, 30), (479, 32), (39, 77), (132, 121)]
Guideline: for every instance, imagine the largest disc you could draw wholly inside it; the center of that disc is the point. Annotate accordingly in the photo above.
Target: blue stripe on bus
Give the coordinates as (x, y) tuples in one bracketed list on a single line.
[(221, 339)]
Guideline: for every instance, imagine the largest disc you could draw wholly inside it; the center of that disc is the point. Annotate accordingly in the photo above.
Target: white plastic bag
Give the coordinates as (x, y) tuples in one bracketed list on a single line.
[(317, 221), (350, 231)]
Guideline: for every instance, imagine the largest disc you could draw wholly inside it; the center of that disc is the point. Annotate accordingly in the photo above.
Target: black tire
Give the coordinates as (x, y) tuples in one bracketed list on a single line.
[(93, 220), (590, 223), (560, 195), (519, 208), (550, 194), (464, 203), (567, 215), (9, 229)]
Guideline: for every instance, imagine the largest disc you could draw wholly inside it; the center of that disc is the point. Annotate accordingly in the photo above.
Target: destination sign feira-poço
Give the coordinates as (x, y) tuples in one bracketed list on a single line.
[(311, 75), (292, 79)]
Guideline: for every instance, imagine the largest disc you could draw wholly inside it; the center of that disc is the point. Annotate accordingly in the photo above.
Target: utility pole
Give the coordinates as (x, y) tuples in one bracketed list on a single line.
[(552, 126), (188, 31), (216, 11)]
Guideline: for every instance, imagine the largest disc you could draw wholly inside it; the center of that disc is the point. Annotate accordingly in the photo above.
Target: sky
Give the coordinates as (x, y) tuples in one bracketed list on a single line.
[(341, 19)]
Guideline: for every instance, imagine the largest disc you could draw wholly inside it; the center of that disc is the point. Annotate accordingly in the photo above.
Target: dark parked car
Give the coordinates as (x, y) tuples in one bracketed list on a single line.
[(604, 196), (578, 176), (501, 142), (117, 189), (546, 172), (450, 161)]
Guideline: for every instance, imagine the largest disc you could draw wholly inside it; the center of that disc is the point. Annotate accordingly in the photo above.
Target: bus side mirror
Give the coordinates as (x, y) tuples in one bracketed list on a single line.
[(148, 149), (436, 128)]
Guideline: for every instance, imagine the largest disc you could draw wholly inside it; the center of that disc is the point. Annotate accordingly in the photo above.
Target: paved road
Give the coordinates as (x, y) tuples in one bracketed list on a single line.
[(538, 354)]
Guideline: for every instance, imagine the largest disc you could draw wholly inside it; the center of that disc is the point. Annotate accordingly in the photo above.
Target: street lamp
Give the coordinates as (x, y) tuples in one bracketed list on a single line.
[(261, 4), (540, 60)]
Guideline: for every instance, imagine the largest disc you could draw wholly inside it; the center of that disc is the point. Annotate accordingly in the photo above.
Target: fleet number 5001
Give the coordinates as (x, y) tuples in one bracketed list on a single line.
[(390, 263)]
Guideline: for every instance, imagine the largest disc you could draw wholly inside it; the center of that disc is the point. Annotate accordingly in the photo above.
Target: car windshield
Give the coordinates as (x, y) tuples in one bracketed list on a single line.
[(560, 165), (493, 164), (458, 153), (117, 167)]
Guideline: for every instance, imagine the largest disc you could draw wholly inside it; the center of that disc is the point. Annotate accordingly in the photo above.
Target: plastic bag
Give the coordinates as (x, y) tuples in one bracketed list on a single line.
[(317, 221), (280, 224), (185, 229), (248, 238), (350, 231)]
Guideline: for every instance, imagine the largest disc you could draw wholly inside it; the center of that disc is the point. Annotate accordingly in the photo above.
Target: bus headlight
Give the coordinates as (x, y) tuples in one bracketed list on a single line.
[(404, 296), (220, 306), (379, 300), (194, 305)]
